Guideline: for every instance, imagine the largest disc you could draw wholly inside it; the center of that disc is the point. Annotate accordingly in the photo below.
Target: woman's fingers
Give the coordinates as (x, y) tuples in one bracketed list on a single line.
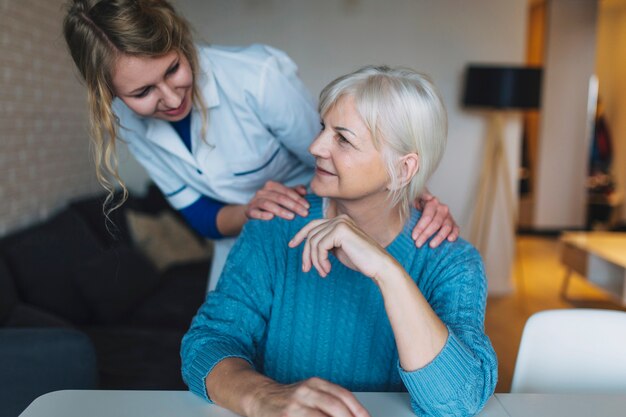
[(313, 397), (441, 235), (322, 236), (454, 235), (436, 219), (273, 206), (314, 254), (300, 189), (302, 233), (320, 242), (291, 198), (424, 227), (255, 213), (335, 400), (278, 200), (449, 231)]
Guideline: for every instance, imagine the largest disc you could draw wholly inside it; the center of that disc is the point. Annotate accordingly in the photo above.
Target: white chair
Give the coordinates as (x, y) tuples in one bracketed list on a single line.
[(572, 351)]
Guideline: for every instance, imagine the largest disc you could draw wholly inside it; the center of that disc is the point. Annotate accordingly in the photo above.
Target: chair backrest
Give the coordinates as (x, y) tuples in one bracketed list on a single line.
[(572, 351)]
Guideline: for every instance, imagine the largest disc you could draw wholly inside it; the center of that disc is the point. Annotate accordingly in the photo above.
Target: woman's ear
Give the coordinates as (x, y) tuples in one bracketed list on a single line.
[(409, 166)]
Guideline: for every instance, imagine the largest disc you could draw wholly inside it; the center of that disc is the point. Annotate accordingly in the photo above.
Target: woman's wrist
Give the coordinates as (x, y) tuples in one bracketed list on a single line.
[(391, 274), (234, 384), (230, 219), (251, 401)]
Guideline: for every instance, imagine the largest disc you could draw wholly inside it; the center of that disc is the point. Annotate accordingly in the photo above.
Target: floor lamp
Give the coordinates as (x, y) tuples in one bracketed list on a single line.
[(497, 90)]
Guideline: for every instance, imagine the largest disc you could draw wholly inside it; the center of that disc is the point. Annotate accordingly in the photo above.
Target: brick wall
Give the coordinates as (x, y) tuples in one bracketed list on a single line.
[(44, 147)]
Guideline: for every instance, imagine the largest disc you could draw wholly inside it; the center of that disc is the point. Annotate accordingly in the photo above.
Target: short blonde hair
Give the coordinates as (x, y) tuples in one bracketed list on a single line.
[(404, 114), (97, 32)]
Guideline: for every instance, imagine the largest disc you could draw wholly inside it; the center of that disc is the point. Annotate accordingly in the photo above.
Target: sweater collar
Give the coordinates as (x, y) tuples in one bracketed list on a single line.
[(402, 248)]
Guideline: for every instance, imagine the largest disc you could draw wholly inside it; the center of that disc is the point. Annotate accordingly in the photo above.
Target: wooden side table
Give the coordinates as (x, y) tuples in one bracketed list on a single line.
[(600, 257)]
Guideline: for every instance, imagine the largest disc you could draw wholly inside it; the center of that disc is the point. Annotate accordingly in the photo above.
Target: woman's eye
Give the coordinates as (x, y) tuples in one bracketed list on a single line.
[(342, 140), (173, 69), (143, 92)]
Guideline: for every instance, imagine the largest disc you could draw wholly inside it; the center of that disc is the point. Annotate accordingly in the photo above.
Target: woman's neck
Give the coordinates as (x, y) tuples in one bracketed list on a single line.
[(381, 222)]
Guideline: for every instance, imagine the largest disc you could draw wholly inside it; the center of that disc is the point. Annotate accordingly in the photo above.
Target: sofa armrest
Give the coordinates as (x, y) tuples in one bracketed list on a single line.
[(38, 361)]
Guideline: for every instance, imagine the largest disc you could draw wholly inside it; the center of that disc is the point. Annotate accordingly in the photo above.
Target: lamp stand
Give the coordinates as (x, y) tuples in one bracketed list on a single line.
[(495, 166)]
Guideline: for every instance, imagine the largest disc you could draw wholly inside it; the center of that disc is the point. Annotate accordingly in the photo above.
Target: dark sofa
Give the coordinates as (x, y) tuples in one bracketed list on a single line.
[(74, 274)]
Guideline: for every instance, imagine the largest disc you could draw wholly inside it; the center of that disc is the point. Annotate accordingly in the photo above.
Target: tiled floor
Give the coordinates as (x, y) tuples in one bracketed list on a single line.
[(537, 276)]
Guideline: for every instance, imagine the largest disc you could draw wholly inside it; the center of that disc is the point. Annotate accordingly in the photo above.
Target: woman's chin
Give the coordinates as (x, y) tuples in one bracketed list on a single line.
[(319, 189)]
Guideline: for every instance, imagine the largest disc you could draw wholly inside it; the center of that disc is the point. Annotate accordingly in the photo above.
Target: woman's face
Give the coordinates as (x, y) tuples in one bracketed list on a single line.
[(158, 87), (348, 166)]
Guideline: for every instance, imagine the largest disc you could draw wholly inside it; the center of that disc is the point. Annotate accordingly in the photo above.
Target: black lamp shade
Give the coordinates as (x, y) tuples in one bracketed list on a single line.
[(500, 87)]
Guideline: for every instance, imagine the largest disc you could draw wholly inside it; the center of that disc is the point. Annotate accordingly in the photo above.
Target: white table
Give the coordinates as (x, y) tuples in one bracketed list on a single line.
[(74, 403), (185, 404), (563, 405)]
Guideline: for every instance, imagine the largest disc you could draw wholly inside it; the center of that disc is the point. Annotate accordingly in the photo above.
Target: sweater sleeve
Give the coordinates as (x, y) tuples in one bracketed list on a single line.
[(462, 377), (233, 318)]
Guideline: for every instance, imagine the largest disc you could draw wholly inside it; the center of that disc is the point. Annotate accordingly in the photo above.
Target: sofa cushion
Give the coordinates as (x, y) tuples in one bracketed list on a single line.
[(8, 293), (115, 281), (165, 239), (43, 258)]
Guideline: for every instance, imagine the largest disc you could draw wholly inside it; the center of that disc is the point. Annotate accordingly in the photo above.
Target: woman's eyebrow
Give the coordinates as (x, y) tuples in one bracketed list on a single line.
[(169, 68), (138, 90), (345, 129)]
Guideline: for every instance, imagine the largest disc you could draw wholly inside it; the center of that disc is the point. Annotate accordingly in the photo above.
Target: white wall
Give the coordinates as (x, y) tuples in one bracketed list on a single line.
[(560, 197), (611, 69), (327, 38)]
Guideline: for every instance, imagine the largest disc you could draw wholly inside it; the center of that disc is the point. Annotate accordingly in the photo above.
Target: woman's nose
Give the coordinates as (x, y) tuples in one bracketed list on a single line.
[(319, 148), (170, 97)]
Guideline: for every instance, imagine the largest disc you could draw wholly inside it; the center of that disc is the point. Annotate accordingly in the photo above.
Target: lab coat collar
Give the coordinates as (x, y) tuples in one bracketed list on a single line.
[(163, 134), (206, 82)]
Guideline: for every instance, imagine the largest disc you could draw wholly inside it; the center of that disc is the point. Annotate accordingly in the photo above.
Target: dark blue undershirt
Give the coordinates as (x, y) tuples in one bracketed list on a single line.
[(202, 213)]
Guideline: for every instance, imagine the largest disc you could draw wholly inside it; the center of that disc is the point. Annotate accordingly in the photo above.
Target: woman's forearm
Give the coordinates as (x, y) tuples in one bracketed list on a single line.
[(230, 219), (420, 334), (234, 384)]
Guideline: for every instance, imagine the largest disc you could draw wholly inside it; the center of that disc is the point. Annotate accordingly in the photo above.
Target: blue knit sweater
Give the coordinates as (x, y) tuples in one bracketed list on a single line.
[(292, 325)]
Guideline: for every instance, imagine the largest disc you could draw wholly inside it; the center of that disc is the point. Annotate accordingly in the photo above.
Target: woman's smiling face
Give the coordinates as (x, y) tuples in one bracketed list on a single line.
[(158, 87), (348, 165)]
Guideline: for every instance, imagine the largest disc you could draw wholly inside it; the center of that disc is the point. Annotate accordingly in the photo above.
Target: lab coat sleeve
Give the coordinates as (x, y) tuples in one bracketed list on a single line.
[(202, 216), (286, 107), (175, 190)]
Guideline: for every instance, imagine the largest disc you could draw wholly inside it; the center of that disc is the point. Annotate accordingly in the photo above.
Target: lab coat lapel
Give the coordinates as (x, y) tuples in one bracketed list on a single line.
[(207, 85), (162, 133)]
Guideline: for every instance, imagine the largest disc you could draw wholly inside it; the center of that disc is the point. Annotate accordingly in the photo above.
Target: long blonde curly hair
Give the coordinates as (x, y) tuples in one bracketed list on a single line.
[(97, 32)]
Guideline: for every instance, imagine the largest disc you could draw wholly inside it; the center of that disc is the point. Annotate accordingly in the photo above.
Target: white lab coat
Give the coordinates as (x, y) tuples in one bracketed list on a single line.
[(261, 120)]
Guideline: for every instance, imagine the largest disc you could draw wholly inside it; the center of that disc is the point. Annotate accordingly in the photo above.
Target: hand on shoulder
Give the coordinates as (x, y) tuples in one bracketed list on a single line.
[(276, 199)]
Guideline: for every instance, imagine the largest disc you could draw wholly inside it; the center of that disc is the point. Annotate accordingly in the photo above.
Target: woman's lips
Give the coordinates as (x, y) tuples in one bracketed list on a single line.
[(179, 110), (322, 171)]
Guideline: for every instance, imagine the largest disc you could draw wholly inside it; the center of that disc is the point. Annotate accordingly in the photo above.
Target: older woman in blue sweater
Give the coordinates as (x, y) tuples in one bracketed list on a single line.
[(308, 310)]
